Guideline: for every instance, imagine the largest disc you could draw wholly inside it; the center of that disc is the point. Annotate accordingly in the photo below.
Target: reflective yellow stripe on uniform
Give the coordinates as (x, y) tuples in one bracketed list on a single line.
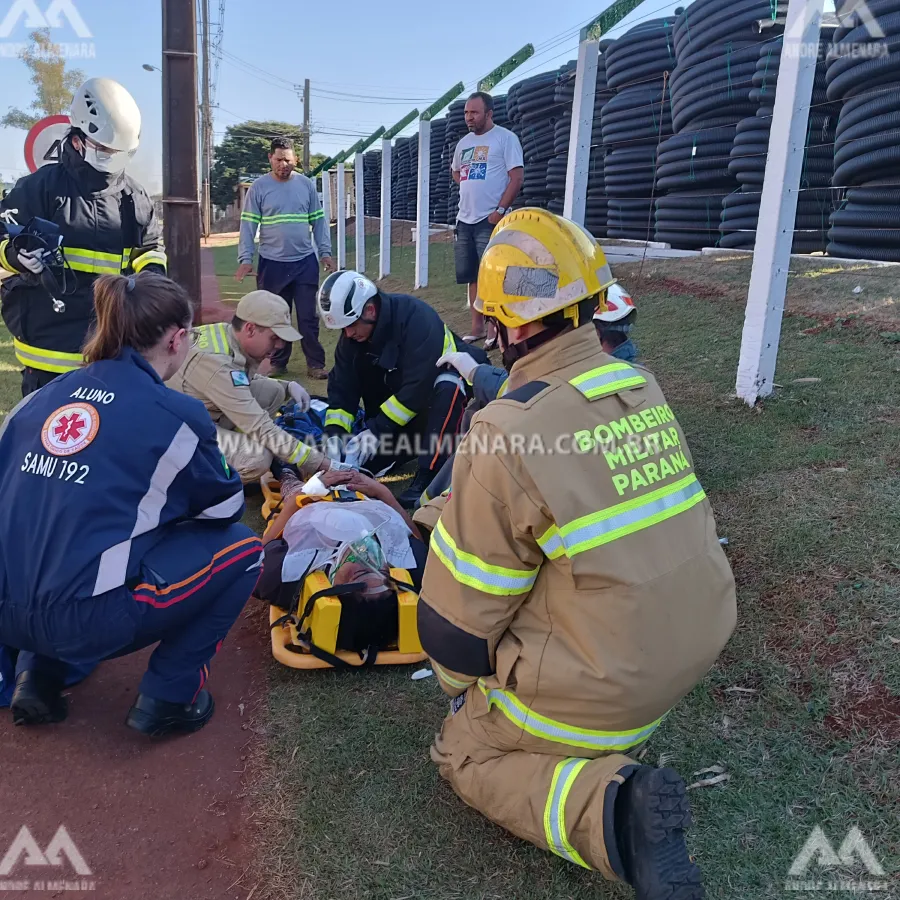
[(300, 455), (93, 261), (339, 417), (560, 733), (47, 360), (3, 262), (622, 519), (503, 389), (251, 217), (470, 570), (453, 682), (555, 811), (150, 258), (214, 338), (608, 380), (397, 412), (449, 343)]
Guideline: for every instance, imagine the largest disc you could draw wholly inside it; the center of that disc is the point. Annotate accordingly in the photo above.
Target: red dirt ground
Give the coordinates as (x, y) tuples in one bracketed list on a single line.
[(161, 819)]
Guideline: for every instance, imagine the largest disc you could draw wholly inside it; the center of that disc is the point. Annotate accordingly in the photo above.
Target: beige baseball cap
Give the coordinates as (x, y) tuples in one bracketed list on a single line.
[(268, 310)]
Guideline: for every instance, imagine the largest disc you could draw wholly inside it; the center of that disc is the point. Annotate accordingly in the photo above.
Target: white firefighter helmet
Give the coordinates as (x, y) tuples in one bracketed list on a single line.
[(619, 305), (107, 114), (342, 297)]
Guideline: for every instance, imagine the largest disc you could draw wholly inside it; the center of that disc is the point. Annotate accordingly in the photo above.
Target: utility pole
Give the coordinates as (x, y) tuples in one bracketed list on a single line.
[(181, 203), (306, 125), (206, 122)]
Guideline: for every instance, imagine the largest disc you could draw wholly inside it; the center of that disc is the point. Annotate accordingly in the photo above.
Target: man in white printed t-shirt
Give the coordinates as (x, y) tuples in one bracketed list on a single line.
[(489, 168)]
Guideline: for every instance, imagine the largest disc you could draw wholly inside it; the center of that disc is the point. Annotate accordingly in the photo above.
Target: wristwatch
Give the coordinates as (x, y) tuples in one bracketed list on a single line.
[(502, 211)]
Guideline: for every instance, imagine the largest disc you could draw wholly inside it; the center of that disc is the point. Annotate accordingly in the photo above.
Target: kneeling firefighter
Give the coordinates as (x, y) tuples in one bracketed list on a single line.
[(386, 356), (78, 219), (572, 596)]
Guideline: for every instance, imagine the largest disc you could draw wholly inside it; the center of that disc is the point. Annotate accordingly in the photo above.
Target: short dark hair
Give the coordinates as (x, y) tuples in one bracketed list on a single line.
[(237, 324), (485, 98), (281, 143)]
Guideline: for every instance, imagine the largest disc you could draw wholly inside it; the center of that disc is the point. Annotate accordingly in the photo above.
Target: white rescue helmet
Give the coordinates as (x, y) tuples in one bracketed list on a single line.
[(342, 298), (619, 305), (107, 115)]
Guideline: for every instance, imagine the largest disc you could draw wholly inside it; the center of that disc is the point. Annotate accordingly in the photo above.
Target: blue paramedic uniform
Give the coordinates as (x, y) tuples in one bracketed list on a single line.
[(120, 528)]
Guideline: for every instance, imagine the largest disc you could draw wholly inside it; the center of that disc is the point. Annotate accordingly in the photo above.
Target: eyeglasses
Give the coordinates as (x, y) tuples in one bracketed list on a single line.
[(195, 336)]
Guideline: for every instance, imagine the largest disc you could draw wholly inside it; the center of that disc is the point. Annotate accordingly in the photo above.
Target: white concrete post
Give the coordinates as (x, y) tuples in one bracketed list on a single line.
[(778, 209), (582, 128), (384, 265), (360, 178), (326, 197), (341, 204), (423, 215)]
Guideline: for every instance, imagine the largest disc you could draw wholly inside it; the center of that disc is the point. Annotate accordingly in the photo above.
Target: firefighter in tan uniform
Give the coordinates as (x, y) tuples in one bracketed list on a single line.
[(575, 589), (222, 371)]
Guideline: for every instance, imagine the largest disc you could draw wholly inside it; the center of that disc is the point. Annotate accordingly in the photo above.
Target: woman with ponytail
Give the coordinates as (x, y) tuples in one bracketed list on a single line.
[(120, 526)]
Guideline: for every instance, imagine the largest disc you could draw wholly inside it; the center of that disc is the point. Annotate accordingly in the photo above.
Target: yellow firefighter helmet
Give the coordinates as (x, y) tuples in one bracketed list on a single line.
[(536, 264)]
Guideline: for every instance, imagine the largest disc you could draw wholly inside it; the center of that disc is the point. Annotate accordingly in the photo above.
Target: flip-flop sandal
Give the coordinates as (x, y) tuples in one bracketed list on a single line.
[(490, 344), (473, 338)]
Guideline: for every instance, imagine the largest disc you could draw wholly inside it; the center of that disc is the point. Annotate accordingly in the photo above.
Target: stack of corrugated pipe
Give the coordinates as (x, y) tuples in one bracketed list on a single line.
[(596, 210), (456, 129), (740, 210), (439, 188), (634, 123), (864, 73), (717, 43), (563, 98), (372, 182), (532, 108), (399, 174), (412, 179)]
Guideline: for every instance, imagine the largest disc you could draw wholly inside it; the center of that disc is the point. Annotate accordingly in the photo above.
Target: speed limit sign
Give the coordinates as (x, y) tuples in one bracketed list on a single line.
[(43, 145)]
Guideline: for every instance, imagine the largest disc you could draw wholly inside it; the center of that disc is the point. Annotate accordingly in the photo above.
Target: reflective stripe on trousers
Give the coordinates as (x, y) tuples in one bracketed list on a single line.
[(555, 811), (560, 733)]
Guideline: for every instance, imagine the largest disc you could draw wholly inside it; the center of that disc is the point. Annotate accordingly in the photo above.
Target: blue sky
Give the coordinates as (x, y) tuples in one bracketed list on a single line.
[(369, 65)]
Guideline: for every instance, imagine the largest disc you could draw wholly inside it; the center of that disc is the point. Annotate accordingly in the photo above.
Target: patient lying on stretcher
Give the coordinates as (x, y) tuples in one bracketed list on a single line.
[(355, 534)]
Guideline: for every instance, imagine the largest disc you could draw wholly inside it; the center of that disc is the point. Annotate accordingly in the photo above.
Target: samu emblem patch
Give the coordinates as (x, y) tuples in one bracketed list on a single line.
[(70, 429)]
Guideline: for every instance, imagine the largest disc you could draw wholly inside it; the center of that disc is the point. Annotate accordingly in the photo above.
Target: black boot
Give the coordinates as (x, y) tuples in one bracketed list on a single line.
[(38, 699), (651, 815), (158, 718), (411, 496)]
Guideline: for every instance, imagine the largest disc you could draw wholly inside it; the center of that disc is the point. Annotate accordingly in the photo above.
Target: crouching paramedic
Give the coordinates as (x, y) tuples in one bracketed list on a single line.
[(571, 599), (386, 356), (120, 525), (221, 370)]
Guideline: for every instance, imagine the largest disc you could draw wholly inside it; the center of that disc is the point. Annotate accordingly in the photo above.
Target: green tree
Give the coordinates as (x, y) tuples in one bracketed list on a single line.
[(53, 83), (244, 151)]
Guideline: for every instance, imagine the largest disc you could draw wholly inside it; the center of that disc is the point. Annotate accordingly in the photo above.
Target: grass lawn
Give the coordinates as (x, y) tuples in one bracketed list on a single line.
[(803, 709)]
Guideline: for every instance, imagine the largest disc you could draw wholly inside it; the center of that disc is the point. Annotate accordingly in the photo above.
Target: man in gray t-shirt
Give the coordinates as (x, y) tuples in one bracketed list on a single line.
[(284, 206), (489, 168)]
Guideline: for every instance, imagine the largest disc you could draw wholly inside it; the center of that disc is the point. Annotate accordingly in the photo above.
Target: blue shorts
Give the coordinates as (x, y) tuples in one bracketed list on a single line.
[(471, 242)]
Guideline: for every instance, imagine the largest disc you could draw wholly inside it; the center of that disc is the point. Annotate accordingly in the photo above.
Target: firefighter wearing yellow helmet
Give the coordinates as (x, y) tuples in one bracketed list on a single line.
[(575, 589)]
